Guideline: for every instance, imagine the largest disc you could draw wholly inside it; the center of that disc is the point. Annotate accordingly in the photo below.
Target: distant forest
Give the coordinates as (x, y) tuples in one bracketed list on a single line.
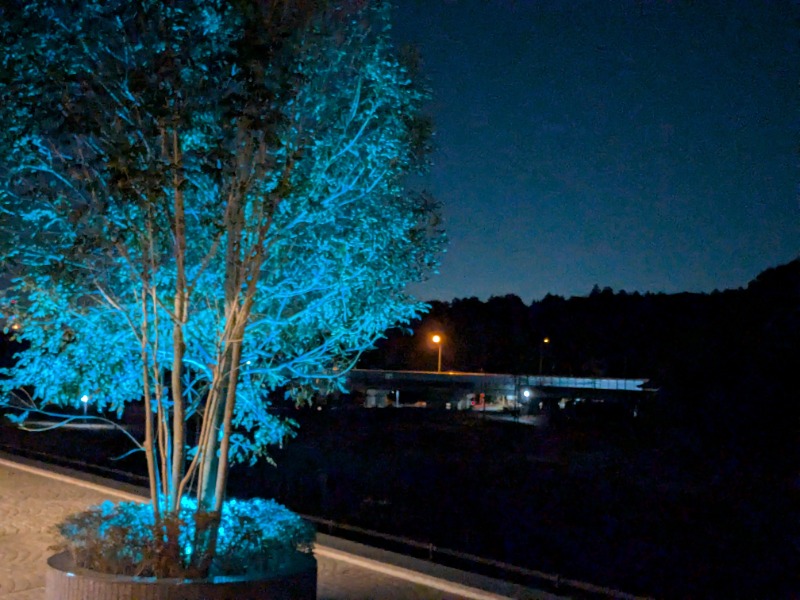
[(607, 333)]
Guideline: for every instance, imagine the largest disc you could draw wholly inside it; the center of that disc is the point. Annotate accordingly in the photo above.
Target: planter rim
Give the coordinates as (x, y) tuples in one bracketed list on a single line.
[(64, 562)]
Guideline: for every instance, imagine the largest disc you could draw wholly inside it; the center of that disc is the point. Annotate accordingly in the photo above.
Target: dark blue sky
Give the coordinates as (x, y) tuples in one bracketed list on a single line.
[(644, 145)]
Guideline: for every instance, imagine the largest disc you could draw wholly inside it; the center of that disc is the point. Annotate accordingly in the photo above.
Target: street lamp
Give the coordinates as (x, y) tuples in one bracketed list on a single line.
[(437, 339), (541, 352)]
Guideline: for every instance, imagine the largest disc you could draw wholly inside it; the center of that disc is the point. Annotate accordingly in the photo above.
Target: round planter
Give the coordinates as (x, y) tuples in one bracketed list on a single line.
[(64, 581)]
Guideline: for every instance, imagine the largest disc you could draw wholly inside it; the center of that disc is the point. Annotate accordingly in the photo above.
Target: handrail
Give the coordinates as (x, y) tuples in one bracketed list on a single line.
[(556, 581), (73, 462)]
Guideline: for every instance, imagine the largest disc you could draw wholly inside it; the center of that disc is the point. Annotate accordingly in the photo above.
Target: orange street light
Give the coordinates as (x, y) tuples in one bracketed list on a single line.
[(437, 339), (541, 352)]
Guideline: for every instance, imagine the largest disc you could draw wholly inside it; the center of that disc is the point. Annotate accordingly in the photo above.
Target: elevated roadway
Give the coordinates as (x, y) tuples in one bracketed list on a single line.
[(453, 386)]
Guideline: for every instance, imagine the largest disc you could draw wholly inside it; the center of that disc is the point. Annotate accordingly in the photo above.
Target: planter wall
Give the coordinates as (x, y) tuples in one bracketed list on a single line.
[(63, 581)]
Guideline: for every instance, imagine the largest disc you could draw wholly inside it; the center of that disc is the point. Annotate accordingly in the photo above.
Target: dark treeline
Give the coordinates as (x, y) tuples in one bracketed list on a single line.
[(607, 333)]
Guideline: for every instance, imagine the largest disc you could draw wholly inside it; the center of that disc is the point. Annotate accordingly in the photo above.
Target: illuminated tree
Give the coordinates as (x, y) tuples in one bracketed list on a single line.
[(202, 203)]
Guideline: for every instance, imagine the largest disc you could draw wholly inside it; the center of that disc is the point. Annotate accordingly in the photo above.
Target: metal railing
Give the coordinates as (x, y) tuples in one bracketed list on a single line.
[(78, 465), (432, 551)]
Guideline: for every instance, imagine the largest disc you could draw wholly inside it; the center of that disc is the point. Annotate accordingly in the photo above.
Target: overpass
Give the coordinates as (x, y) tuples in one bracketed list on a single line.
[(408, 387)]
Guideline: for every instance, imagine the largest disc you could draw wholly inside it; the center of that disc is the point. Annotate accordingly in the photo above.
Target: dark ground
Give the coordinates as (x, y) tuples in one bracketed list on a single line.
[(603, 499)]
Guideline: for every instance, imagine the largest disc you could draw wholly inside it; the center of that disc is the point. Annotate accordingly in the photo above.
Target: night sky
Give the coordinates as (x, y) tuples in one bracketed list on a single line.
[(644, 145)]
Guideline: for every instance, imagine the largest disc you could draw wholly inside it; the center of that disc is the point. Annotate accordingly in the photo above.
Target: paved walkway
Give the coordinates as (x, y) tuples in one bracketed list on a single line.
[(33, 500)]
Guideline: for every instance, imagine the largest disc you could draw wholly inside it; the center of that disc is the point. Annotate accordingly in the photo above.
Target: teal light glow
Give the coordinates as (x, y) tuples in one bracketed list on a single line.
[(252, 536), (199, 232)]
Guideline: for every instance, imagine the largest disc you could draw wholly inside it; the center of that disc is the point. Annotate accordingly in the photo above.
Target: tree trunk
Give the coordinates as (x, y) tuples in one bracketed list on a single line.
[(230, 403), (180, 307), (149, 443)]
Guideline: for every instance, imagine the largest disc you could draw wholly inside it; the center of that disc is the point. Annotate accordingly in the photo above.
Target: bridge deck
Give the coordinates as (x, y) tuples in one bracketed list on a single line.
[(497, 380)]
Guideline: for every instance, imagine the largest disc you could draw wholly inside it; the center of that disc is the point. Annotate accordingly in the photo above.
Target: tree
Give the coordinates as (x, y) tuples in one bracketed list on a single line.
[(202, 203)]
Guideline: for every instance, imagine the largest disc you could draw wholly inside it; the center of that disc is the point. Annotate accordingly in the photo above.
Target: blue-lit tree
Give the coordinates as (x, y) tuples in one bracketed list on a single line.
[(202, 202)]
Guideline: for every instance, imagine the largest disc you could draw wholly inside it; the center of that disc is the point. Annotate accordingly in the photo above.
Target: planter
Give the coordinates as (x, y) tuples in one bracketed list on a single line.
[(64, 581)]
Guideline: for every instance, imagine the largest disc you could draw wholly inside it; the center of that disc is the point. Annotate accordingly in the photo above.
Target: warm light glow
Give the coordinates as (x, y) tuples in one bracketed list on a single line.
[(546, 340), (437, 339)]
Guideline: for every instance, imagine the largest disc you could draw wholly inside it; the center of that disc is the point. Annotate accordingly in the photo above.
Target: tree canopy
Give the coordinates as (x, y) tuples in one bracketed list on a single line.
[(201, 203)]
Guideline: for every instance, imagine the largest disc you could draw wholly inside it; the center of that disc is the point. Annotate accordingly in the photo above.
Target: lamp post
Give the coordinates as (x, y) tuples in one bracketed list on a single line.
[(437, 339), (541, 352)]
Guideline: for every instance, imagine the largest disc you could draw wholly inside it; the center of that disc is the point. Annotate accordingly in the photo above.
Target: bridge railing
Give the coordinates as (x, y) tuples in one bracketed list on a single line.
[(589, 383), (499, 380)]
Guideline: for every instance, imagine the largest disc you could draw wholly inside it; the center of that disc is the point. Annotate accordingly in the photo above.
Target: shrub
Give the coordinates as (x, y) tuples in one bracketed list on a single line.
[(255, 536)]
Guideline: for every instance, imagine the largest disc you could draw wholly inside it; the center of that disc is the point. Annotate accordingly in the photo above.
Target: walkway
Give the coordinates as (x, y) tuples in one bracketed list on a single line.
[(33, 500)]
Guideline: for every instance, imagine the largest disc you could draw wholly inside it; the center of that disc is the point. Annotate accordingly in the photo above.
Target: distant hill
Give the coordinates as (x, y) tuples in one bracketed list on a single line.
[(605, 333)]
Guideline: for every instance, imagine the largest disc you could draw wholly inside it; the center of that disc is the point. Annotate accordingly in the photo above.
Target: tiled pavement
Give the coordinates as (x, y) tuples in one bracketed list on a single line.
[(33, 500)]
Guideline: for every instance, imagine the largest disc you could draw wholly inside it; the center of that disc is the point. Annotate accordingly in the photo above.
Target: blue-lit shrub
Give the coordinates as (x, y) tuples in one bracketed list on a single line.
[(255, 537)]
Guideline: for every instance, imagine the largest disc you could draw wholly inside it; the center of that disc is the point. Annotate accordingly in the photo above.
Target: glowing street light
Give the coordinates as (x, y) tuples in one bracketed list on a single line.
[(437, 339), (85, 400), (541, 352)]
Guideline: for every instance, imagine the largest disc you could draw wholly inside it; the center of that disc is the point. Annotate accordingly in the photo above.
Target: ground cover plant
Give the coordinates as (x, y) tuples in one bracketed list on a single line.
[(256, 537)]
